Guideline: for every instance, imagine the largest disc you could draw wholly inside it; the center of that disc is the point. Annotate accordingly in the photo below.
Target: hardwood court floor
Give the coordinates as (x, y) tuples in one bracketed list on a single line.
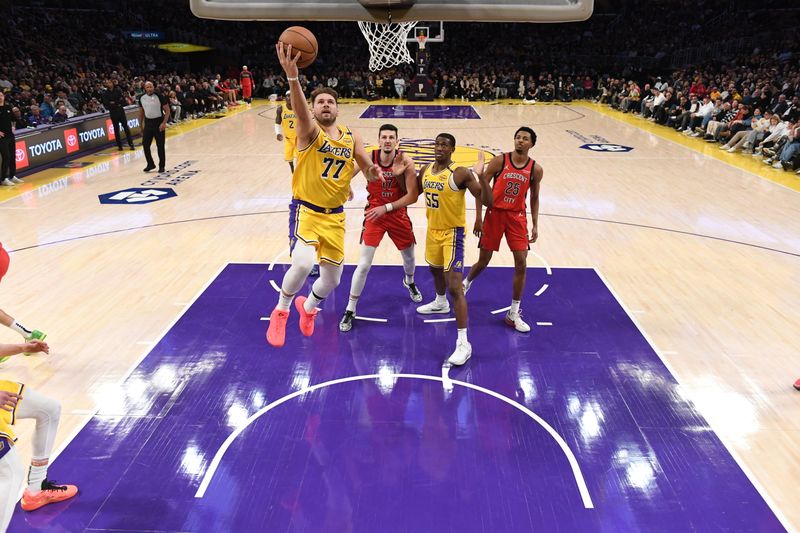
[(703, 254)]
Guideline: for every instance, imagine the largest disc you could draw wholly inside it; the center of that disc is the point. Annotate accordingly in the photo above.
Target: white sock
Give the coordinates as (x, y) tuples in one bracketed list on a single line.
[(36, 474), (514, 306), (311, 302), (19, 328), (284, 301), (462, 335), (467, 284), (441, 299), (352, 303), (409, 279)]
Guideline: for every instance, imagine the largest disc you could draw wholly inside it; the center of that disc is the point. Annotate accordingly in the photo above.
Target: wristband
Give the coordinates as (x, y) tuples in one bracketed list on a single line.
[(389, 207), (278, 130), (292, 79)]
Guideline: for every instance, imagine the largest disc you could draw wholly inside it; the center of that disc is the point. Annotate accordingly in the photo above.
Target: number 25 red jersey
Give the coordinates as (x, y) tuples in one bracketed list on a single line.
[(511, 185)]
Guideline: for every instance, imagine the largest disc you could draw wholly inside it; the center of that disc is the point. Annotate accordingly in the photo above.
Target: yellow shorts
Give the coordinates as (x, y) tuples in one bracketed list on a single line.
[(8, 418), (323, 231), (445, 249), (289, 148)]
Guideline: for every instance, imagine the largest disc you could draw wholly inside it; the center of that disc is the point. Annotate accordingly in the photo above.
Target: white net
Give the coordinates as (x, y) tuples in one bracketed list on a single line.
[(387, 43)]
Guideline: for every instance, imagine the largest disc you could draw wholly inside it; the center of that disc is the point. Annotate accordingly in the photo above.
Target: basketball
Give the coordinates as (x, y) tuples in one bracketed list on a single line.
[(302, 40)]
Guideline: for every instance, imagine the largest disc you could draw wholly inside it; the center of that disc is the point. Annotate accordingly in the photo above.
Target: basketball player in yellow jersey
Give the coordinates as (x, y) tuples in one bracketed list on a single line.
[(286, 130), (18, 401), (327, 153), (443, 188)]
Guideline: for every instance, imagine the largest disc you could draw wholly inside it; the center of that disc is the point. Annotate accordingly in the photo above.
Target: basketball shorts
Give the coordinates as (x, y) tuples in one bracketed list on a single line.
[(396, 223), (8, 418), (4, 262), (247, 91), (499, 222), (289, 148), (445, 249), (323, 231)]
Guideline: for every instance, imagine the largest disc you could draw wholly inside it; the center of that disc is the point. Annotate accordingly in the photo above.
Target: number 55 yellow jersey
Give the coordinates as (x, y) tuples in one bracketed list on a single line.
[(444, 201)]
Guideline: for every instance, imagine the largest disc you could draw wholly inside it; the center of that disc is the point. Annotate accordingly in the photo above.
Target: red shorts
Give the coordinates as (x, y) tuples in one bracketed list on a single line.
[(4, 261), (512, 224), (396, 224)]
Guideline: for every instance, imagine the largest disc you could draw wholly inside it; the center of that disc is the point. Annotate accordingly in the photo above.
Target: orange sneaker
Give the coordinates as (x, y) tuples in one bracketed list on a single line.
[(50, 493), (306, 319), (276, 333), (797, 384)]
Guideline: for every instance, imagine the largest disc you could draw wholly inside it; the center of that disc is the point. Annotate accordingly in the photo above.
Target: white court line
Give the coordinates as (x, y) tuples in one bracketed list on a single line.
[(573, 462), (274, 285), (370, 319), (544, 323), (263, 318), (434, 320), (135, 364), (541, 290), (546, 264), (784, 521), (275, 259), (498, 311)]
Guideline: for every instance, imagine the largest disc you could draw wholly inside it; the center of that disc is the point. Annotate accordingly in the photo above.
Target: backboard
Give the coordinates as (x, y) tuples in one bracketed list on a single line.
[(396, 10)]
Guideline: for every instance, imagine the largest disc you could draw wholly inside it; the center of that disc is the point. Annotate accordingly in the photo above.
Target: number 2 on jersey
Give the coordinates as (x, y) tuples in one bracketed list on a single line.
[(330, 162)]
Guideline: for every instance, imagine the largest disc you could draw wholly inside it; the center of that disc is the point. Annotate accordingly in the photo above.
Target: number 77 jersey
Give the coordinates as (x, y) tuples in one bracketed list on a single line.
[(324, 169), (511, 185)]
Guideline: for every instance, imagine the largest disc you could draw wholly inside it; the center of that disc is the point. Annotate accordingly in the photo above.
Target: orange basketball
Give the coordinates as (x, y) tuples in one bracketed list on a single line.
[(302, 40)]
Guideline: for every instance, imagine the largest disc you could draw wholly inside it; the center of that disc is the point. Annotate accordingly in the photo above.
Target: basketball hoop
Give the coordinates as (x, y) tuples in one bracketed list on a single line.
[(421, 38), (387, 43)]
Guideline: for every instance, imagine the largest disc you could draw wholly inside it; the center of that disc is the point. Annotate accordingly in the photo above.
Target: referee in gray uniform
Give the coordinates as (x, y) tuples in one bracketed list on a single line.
[(153, 114)]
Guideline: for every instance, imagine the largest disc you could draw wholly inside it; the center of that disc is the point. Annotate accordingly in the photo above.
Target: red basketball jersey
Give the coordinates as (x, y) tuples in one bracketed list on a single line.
[(511, 185), (388, 191)]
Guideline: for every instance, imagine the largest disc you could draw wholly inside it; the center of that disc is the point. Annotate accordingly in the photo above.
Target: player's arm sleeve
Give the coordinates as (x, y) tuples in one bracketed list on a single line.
[(536, 178)]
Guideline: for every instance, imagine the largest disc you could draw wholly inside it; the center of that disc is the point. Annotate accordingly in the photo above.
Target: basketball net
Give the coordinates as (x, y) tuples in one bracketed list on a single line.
[(387, 43)]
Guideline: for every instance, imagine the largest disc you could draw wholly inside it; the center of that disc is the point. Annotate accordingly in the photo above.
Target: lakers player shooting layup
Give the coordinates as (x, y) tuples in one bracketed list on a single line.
[(445, 206), (514, 174), (326, 160), (386, 213)]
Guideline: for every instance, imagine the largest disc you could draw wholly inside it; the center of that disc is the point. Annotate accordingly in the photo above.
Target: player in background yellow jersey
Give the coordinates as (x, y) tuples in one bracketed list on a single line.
[(327, 155), (286, 130), (443, 188)]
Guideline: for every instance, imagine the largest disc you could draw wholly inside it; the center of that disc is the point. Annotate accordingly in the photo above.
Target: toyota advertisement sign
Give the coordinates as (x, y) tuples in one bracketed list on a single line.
[(41, 147)]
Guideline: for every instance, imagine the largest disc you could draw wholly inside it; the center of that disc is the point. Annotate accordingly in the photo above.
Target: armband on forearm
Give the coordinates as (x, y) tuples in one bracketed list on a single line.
[(278, 130)]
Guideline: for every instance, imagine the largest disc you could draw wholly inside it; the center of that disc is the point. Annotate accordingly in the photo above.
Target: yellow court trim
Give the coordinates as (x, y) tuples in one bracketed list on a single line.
[(50, 175), (742, 161)]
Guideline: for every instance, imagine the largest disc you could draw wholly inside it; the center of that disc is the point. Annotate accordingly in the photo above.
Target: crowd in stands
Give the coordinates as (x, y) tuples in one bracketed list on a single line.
[(621, 57), (752, 107)]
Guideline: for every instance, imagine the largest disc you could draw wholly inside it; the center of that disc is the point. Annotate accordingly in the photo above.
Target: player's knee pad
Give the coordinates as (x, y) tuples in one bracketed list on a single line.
[(329, 277), (304, 257), (366, 258), (408, 258)]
